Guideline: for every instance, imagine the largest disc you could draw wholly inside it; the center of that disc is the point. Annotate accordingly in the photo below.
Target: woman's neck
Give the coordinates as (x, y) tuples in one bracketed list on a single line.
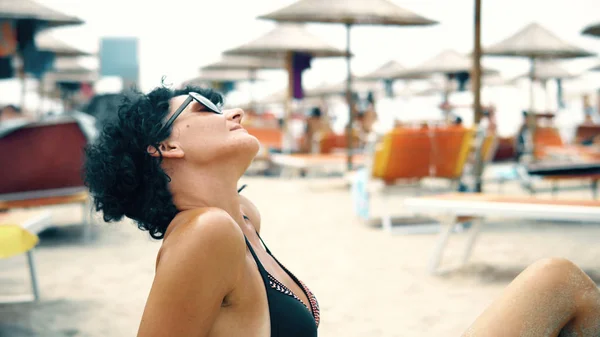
[(200, 189)]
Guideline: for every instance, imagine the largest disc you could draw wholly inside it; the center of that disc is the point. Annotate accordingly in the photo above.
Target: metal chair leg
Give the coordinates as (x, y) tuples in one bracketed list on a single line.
[(32, 273)]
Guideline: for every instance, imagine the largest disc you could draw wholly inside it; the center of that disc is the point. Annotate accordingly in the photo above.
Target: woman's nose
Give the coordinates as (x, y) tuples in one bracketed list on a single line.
[(235, 115)]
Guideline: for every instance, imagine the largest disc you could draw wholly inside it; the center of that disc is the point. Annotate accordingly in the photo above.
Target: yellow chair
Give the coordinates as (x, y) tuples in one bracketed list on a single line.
[(17, 236)]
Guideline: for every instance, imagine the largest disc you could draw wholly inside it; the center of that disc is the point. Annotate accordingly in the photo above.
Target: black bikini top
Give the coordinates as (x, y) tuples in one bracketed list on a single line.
[(289, 316)]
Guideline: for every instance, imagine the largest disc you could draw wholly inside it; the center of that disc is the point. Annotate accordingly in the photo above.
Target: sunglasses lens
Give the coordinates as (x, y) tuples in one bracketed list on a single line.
[(206, 102)]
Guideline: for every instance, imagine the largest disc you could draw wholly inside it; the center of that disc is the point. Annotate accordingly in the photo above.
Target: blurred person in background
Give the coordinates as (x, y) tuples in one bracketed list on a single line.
[(316, 127), (588, 110), (522, 138), (172, 160)]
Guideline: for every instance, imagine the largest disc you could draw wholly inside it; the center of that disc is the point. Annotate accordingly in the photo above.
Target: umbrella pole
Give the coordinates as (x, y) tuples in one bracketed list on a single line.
[(447, 108), (547, 96), (252, 83), (478, 167), (531, 120), (349, 132), (287, 144)]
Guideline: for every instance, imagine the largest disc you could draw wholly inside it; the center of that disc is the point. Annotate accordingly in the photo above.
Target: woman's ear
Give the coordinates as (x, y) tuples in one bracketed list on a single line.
[(167, 150)]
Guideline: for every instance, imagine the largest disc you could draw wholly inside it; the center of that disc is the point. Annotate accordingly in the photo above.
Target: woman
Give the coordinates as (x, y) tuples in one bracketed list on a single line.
[(171, 162), (316, 126)]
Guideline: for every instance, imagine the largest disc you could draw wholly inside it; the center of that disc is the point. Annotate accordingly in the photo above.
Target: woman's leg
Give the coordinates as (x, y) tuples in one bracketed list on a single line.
[(552, 297)]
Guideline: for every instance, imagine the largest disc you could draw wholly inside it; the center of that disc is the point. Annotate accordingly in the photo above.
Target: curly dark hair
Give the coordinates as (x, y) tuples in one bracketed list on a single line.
[(124, 180)]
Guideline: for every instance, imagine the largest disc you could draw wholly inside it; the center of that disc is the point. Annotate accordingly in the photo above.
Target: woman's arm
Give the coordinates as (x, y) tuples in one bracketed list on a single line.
[(200, 263)]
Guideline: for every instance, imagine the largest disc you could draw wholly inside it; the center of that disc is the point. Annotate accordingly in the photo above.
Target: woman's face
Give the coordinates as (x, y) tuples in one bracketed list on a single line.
[(204, 136)]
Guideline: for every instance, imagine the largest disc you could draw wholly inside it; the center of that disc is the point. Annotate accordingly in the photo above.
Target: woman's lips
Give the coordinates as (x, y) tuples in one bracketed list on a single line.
[(237, 127)]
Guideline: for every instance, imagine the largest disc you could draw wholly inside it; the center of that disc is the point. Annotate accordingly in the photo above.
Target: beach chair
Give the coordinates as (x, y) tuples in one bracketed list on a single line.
[(407, 155), (585, 133), (45, 166), (543, 138), (447, 161), (268, 137), (328, 155), (450, 207), (18, 235)]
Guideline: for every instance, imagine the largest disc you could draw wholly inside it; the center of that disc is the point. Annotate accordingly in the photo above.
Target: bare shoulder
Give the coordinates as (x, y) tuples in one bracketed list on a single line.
[(200, 262), (202, 231), (251, 211)]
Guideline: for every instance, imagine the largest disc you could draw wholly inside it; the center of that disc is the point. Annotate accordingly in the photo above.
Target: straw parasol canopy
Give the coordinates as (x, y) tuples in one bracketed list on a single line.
[(81, 75), (28, 9), (436, 87), (447, 62), (549, 69), (349, 13), (286, 38), (389, 70), (47, 42), (359, 85), (592, 30), (208, 76), (281, 43), (352, 12), (245, 63), (535, 41)]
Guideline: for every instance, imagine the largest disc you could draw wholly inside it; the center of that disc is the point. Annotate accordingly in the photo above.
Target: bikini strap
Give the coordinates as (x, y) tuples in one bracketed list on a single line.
[(256, 259), (264, 245)]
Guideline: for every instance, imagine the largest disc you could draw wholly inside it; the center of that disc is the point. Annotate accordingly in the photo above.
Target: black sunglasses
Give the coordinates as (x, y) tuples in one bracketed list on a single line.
[(192, 96)]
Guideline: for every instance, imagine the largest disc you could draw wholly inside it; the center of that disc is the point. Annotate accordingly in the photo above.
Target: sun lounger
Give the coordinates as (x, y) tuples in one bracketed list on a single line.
[(18, 235), (562, 171), (293, 164), (479, 206), (45, 165)]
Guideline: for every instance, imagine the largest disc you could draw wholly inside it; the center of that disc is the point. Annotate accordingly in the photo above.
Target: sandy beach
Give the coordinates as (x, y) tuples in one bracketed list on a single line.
[(368, 282)]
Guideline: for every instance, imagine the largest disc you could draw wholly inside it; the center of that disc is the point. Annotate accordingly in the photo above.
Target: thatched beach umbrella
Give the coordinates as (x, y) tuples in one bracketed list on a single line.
[(67, 77), (62, 52), (349, 13), (30, 16), (390, 71), (49, 43), (31, 10), (246, 63), (446, 62), (450, 63), (592, 30), (208, 77), (548, 70), (359, 85), (535, 42), (293, 44), (436, 88)]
